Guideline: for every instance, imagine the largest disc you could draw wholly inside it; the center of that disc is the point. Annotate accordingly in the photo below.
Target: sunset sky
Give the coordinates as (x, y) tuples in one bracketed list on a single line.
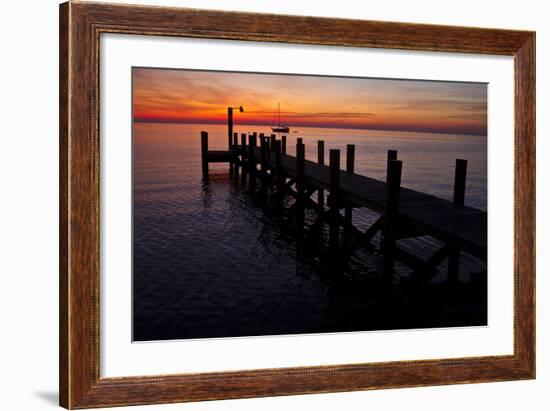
[(184, 96)]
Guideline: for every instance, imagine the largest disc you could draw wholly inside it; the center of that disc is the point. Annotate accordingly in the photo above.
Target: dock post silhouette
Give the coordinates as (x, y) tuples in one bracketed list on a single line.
[(263, 167), (279, 176), (321, 161), (333, 199), (458, 200), (392, 155), (204, 154), (252, 161), (241, 160), (300, 185), (350, 168), (235, 151), (389, 231)]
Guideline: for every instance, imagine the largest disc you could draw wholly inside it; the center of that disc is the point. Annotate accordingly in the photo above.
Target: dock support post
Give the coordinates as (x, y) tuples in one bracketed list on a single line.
[(230, 136), (283, 144), (300, 180), (458, 200), (204, 154), (251, 161), (235, 153), (243, 158), (262, 139), (272, 140), (321, 162), (229, 127), (350, 168), (460, 182), (334, 185), (243, 144), (392, 155), (263, 166), (390, 220), (279, 178)]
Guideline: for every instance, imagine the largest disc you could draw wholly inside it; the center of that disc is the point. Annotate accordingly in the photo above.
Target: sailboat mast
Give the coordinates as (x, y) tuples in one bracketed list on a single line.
[(279, 128)]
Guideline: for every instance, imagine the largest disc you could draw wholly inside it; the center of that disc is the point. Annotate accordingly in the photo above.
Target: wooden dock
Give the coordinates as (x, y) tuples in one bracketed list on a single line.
[(404, 213)]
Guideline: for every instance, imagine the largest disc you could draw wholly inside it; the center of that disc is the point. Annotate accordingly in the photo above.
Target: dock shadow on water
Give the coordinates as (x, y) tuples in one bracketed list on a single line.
[(218, 257)]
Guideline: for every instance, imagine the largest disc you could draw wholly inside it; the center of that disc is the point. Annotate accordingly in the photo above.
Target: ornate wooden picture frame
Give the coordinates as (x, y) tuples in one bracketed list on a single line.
[(81, 25)]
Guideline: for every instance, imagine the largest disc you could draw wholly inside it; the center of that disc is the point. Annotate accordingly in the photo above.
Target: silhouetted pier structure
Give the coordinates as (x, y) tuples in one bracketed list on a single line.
[(404, 213)]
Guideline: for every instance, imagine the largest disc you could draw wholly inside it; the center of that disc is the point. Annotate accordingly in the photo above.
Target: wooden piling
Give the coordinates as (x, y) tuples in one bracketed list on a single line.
[(300, 162), (236, 147), (392, 155), (243, 157), (453, 262), (262, 136), (263, 165), (299, 140), (232, 162), (390, 220), (300, 184), (243, 144), (263, 154), (460, 182), (321, 161), (350, 168), (252, 160), (350, 158), (280, 179), (272, 140), (229, 127), (283, 144), (204, 154), (235, 153), (334, 186)]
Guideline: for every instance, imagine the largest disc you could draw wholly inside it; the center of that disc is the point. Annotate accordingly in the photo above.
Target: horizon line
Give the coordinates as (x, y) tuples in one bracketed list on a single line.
[(378, 128)]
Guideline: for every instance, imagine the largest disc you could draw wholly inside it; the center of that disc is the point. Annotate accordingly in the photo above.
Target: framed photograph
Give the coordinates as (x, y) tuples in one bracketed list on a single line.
[(259, 205)]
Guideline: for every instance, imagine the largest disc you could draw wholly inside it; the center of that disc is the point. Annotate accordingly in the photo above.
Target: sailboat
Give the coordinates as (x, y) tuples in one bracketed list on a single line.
[(279, 128)]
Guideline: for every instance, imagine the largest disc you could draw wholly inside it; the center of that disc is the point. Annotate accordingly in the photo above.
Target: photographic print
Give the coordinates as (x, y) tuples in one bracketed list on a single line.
[(273, 204)]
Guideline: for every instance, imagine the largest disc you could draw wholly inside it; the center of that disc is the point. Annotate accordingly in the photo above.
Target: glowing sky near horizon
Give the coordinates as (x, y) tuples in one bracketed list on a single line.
[(186, 96)]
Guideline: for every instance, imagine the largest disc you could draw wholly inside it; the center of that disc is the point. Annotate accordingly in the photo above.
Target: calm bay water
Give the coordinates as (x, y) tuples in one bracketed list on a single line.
[(209, 261)]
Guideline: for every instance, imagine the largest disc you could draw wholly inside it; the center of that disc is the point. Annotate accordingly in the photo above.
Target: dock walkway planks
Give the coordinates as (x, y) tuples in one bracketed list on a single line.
[(460, 226)]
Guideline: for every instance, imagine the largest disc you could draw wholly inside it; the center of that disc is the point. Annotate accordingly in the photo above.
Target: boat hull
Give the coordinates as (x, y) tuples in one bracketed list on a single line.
[(280, 129)]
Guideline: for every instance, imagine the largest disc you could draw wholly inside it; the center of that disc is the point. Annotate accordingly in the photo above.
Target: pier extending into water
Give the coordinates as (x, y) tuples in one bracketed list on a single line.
[(403, 213)]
